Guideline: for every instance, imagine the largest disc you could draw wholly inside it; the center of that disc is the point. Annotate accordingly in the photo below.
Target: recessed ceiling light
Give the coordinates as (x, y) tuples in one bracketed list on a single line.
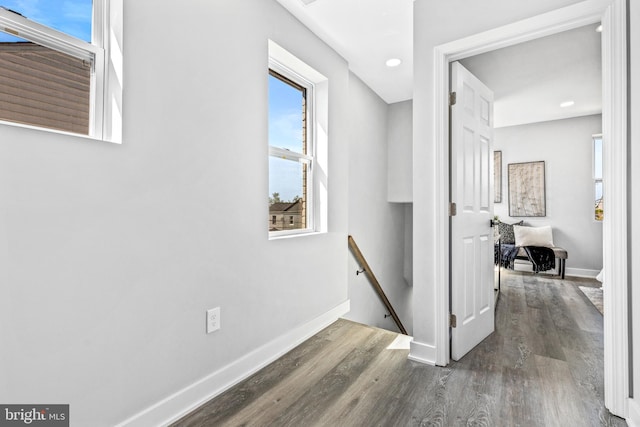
[(599, 28), (393, 62), (567, 104)]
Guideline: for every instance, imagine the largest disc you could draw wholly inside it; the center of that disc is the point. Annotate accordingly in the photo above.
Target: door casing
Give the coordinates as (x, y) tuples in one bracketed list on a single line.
[(612, 14)]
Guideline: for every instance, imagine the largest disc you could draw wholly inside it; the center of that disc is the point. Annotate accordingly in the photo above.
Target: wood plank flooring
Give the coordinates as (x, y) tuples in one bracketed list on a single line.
[(543, 366)]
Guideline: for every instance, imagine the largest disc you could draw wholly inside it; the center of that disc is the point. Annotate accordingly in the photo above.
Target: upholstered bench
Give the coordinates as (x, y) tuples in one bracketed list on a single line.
[(560, 253), (542, 236)]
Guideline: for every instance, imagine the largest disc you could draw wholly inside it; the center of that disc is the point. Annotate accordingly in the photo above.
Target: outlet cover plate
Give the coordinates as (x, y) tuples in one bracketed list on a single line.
[(213, 319)]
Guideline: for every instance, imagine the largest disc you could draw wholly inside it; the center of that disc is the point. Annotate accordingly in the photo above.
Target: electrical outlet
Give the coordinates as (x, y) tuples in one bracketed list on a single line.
[(213, 319)]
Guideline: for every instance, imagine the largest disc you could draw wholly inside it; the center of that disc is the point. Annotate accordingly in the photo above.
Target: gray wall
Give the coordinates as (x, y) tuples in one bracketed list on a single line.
[(377, 225), (111, 254), (400, 152), (566, 148), (400, 172)]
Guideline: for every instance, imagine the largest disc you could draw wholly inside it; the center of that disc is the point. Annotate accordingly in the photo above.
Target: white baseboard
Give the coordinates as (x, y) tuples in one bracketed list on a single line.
[(422, 353), (633, 417), (582, 272), (186, 400)]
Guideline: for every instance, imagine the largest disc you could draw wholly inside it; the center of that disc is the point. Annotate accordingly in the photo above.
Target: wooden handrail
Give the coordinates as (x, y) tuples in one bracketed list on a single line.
[(374, 282)]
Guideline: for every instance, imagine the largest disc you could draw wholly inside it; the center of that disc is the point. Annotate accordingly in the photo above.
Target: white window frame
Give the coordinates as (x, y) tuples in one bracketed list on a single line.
[(318, 136), (96, 52), (309, 158)]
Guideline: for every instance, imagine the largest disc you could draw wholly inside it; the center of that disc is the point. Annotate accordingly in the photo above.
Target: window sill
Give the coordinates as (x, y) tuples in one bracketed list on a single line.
[(55, 131), (282, 235)]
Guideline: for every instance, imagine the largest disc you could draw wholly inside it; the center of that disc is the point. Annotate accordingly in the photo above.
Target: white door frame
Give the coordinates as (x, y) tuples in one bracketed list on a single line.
[(612, 13)]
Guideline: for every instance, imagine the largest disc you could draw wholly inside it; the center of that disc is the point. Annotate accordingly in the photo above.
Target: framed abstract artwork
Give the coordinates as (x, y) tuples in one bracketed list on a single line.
[(526, 189), (497, 177)]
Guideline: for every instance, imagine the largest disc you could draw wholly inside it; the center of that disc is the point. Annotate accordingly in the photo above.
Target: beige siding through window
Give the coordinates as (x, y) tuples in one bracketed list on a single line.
[(43, 87)]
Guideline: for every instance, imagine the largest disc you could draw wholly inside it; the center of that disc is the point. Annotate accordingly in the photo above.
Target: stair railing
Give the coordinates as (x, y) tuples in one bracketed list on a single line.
[(374, 283)]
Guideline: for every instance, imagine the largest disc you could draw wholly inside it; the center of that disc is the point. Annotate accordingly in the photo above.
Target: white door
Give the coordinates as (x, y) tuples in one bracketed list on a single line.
[(472, 272)]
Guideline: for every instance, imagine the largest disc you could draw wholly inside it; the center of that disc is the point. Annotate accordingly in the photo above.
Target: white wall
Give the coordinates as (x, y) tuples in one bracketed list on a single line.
[(400, 172), (634, 210), (111, 253), (436, 23), (408, 243), (566, 148), (400, 152), (377, 226)]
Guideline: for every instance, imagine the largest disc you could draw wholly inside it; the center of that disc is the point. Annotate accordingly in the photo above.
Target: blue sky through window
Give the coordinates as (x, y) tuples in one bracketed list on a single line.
[(285, 131), (69, 16)]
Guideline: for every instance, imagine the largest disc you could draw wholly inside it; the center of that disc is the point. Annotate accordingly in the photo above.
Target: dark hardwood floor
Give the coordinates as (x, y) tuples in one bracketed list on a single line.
[(543, 366)]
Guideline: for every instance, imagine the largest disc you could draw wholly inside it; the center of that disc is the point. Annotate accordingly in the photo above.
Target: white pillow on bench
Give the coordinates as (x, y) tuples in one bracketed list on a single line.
[(533, 236)]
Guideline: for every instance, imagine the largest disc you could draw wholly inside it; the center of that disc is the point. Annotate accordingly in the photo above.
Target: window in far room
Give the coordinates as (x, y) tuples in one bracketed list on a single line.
[(597, 177)]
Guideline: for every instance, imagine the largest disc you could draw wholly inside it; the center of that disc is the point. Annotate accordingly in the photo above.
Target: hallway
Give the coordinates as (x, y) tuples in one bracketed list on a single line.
[(542, 367)]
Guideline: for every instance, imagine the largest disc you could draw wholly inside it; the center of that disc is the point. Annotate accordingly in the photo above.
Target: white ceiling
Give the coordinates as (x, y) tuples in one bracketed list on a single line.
[(529, 80), (366, 33)]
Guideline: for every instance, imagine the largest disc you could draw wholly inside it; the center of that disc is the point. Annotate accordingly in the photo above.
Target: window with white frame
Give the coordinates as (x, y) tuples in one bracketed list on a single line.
[(53, 66), (597, 177), (298, 142), (291, 157)]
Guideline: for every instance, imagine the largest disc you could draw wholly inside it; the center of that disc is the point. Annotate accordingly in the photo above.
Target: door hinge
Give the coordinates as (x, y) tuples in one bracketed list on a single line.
[(452, 98), (453, 209), (453, 321)]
